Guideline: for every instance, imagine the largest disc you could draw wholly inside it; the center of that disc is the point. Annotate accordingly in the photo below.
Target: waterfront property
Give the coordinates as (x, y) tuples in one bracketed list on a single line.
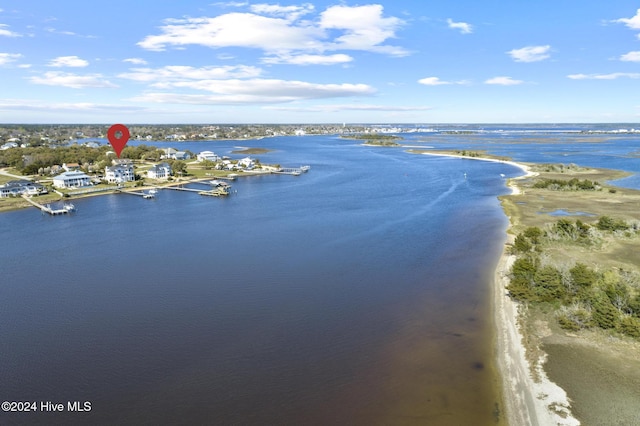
[(16, 188), (208, 156), (71, 180), (246, 163), (119, 173), (159, 171)]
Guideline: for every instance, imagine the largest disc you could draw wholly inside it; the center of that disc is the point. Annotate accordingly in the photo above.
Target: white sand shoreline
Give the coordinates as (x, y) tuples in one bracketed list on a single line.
[(527, 400)]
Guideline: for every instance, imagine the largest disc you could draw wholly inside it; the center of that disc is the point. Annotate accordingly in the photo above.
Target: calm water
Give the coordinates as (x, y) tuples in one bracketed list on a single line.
[(358, 293)]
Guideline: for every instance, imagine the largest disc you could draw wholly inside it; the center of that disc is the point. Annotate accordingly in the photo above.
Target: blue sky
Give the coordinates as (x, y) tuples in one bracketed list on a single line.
[(402, 61)]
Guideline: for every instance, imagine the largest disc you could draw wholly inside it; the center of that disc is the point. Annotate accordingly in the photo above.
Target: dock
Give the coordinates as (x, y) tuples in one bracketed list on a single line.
[(67, 208), (150, 194), (213, 193), (294, 171)]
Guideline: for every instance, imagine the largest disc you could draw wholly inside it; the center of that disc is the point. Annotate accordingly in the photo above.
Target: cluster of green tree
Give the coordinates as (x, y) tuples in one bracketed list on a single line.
[(141, 152), (582, 296), (30, 160), (372, 136), (35, 160), (465, 153), (567, 185)]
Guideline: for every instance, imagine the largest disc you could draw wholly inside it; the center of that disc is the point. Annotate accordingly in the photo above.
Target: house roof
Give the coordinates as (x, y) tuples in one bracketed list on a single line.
[(70, 175)]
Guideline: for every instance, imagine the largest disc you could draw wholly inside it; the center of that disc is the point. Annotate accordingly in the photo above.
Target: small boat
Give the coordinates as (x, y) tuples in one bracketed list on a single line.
[(304, 169), (153, 191), (69, 207), (219, 183)]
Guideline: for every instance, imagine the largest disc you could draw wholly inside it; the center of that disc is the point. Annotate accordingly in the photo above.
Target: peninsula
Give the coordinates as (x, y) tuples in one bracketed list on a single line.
[(568, 351)]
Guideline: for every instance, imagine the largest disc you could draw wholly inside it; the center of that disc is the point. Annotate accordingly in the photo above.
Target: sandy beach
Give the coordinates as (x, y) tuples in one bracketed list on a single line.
[(530, 398)]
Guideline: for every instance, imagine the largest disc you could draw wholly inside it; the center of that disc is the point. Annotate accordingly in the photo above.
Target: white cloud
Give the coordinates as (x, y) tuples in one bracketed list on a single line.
[(277, 31), (612, 76), (234, 30), (631, 57), (503, 81), (365, 28), (230, 4), (462, 26), (290, 12), (38, 105), (67, 33), (68, 61), (6, 58), (74, 81), (135, 61), (530, 53), (338, 58), (7, 33), (174, 73), (435, 81), (254, 91), (633, 23)]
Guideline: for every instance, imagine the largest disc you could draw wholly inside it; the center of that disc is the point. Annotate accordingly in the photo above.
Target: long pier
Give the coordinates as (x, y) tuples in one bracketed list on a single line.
[(140, 194), (295, 171), (214, 192), (47, 208)]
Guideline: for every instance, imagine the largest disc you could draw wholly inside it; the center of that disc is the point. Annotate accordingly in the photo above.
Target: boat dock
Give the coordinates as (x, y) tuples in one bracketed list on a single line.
[(213, 193), (67, 208), (150, 194), (295, 171)]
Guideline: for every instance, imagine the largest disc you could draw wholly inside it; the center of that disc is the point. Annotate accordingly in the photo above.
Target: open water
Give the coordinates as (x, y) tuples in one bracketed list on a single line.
[(358, 293)]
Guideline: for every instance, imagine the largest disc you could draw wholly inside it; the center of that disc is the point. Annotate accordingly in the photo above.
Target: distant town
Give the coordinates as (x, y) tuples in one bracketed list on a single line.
[(32, 135), (15, 135)]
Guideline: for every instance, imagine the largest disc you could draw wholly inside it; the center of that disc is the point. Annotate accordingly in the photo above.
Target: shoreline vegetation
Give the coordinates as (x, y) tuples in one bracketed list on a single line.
[(567, 347), (375, 139)]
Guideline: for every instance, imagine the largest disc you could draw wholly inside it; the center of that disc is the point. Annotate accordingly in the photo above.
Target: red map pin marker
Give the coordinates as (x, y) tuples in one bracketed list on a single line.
[(118, 136)]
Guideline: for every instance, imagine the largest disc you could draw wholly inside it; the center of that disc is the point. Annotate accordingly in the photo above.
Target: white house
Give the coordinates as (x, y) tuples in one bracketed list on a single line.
[(246, 163), (208, 156), (159, 171), (120, 173), (71, 180), (16, 188)]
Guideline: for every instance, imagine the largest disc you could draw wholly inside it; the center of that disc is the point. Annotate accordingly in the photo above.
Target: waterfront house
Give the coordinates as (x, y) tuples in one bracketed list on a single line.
[(246, 163), (15, 188), (159, 171), (208, 156), (180, 155), (169, 152), (119, 173), (71, 179)]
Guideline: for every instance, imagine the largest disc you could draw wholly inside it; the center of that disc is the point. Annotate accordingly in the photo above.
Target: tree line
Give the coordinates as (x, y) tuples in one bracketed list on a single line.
[(583, 297)]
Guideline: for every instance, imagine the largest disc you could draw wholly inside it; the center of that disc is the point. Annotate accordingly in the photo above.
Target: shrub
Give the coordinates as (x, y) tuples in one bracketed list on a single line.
[(521, 284), (606, 223), (629, 325), (533, 233), (582, 275), (548, 284), (605, 314), (521, 244), (575, 317)]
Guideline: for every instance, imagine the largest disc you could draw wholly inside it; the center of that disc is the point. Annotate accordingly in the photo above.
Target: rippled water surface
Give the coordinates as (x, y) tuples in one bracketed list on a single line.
[(358, 293)]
